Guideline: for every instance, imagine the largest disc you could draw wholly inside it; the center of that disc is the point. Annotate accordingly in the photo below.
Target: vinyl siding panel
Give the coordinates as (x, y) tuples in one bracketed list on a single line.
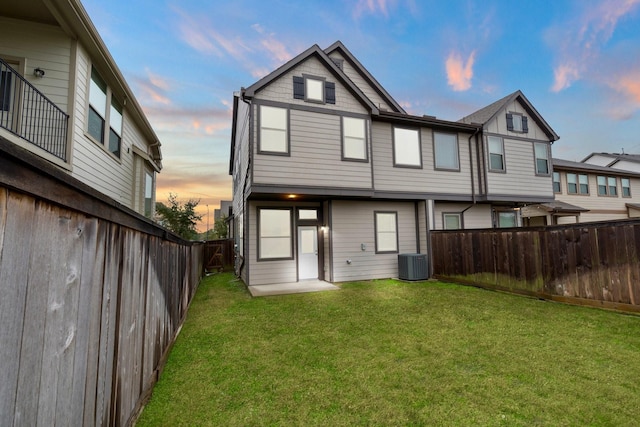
[(315, 156), (476, 216), (626, 165), (520, 177), (362, 84), (92, 163), (353, 224), (599, 160), (499, 124), (282, 88), (425, 180), (42, 46)]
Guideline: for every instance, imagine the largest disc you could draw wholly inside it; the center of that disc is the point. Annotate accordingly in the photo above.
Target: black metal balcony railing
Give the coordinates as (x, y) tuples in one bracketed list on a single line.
[(29, 114)]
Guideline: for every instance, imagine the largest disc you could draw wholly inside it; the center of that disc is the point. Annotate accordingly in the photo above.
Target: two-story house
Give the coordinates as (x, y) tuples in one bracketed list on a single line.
[(592, 192), (63, 98), (623, 161), (332, 179)]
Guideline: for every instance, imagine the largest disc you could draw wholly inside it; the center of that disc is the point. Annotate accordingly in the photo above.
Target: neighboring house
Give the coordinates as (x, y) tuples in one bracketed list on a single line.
[(588, 192), (63, 98), (629, 162), (223, 211), (332, 179)]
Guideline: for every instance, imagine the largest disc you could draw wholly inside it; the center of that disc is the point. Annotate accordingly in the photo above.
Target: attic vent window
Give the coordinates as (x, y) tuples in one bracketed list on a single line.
[(517, 123), (314, 89)]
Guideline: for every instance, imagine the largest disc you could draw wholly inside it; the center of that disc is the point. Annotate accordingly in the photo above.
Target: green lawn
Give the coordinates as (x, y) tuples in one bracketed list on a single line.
[(391, 353)]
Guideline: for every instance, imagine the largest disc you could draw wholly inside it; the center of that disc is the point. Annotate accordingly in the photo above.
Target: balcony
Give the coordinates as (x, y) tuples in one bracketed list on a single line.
[(30, 115)]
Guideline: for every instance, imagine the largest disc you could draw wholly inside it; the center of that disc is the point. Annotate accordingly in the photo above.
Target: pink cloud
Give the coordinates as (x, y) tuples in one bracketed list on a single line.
[(580, 42), (459, 72), (372, 7), (564, 76)]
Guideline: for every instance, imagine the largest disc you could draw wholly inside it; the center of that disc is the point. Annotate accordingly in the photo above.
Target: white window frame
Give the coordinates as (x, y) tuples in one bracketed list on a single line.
[(386, 232), (106, 106), (572, 179), (267, 235), (558, 189), (457, 215), (269, 129), (500, 153), (536, 146), (407, 148), (314, 89), (352, 137), (510, 212), (147, 200), (517, 122), (583, 179), (439, 141), (628, 186)]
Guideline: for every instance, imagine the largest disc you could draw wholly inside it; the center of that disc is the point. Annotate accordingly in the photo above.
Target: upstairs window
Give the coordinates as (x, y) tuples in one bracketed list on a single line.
[(557, 188), (104, 121), (314, 89), (148, 194), (625, 183), (607, 186), (542, 158), (406, 148), (445, 147), (354, 143), (517, 123), (583, 181), (496, 154), (274, 135), (572, 183)]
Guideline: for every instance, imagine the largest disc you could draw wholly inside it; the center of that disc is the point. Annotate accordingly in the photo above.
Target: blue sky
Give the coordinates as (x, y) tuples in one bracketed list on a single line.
[(577, 61)]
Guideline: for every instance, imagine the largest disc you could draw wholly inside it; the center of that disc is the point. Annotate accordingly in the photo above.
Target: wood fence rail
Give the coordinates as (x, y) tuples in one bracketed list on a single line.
[(91, 298), (590, 263)]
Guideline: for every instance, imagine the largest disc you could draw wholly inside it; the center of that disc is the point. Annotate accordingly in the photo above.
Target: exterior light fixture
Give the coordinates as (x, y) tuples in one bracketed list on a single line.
[(292, 196), (38, 72)]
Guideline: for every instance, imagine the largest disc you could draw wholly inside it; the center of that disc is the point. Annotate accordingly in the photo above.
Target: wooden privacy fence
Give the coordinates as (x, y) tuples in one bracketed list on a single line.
[(91, 298), (590, 263)]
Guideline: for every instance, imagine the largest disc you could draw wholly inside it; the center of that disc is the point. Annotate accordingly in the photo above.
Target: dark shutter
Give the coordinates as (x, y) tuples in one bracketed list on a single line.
[(525, 126), (298, 87), (5, 90), (330, 92), (509, 121)]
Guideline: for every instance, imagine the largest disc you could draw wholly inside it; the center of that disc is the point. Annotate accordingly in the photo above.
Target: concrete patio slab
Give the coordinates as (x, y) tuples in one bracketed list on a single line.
[(291, 288)]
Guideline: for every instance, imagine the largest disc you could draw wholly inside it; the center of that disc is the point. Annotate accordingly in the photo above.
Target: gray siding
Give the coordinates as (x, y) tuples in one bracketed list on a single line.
[(357, 79), (425, 180), (353, 224), (315, 156), (282, 89), (240, 177), (476, 216), (520, 177)]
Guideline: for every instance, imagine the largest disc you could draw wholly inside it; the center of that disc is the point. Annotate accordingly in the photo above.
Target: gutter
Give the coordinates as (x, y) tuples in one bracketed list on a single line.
[(473, 186)]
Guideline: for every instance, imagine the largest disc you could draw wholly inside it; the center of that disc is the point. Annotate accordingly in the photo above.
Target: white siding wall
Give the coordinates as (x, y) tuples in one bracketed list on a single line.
[(390, 178), (315, 156), (92, 163), (353, 224), (477, 216), (42, 46), (627, 166), (357, 79)]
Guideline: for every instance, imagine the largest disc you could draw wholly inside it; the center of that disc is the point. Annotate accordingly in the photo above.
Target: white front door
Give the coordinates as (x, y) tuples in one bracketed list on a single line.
[(307, 252)]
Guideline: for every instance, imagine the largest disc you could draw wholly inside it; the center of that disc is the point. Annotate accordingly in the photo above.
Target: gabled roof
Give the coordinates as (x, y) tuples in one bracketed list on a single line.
[(588, 167), (331, 66), (364, 73), (488, 113), (615, 157)]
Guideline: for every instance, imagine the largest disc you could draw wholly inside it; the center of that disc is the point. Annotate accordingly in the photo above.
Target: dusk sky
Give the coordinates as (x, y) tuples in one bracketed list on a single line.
[(577, 61)]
